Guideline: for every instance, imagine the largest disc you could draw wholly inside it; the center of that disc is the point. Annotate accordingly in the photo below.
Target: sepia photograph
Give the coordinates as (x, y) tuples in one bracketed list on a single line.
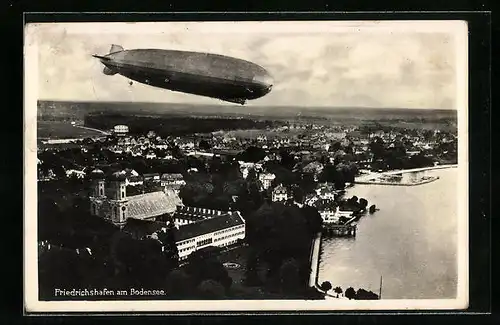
[(245, 166)]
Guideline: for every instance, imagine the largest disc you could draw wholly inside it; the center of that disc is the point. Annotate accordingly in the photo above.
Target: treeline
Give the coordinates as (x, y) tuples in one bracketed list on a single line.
[(86, 252), (350, 293), (172, 125), (395, 156), (280, 238)]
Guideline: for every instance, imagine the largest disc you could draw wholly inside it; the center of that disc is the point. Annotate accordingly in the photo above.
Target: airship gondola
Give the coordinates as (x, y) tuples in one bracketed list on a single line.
[(211, 75)]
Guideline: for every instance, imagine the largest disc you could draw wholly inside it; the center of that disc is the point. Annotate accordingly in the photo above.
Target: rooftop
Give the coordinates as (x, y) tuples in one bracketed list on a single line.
[(149, 205), (171, 177), (197, 214), (208, 226)]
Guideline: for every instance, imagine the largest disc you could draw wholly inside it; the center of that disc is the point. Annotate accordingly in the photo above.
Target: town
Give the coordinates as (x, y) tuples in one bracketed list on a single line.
[(226, 214)]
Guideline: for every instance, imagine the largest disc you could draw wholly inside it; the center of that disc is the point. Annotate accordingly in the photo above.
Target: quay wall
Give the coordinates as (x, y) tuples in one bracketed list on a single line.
[(368, 178), (399, 184), (315, 255)]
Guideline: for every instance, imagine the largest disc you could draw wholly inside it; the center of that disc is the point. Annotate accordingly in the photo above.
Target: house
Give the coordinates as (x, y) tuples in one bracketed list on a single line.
[(73, 172), (150, 155), (329, 215), (172, 179), (280, 193), (245, 168), (134, 181), (314, 168), (311, 199), (153, 177), (325, 192), (266, 179)]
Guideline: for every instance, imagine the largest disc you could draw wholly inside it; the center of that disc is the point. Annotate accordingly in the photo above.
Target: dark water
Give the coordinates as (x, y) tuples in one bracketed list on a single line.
[(411, 242)]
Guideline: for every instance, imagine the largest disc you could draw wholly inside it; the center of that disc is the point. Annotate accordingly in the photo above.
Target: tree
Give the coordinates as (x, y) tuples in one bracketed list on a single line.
[(204, 145), (252, 154), (335, 145), (251, 274), (179, 284), (363, 294), (203, 265), (298, 194), (211, 289), (289, 275), (170, 250), (314, 219), (377, 148), (338, 291), (287, 159), (326, 286), (350, 293), (363, 203)]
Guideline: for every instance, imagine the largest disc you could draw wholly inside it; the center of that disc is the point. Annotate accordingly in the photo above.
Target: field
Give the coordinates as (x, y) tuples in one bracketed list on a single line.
[(270, 134), (342, 116), (62, 130)]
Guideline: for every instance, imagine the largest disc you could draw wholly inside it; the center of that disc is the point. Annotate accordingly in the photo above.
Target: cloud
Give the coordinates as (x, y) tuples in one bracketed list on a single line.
[(384, 69)]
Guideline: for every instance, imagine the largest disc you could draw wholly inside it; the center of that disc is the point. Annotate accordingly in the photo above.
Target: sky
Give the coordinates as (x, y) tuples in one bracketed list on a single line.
[(331, 64)]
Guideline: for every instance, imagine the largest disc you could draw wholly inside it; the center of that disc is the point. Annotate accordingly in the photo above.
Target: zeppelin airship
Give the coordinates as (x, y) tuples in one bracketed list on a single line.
[(204, 74)]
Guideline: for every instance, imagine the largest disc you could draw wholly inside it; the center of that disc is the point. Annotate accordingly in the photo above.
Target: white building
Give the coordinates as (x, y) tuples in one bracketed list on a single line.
[(329, 215), (185, 215), (325, 192), (134, 181), (266, 179), (218, 230), (150, 155), (347, 214), (280, 193), (74, 172), (154, 177), (120, 129), (172, 179)]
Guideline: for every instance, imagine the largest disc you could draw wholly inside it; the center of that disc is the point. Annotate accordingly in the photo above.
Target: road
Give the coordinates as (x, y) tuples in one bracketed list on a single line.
[(92, 129)]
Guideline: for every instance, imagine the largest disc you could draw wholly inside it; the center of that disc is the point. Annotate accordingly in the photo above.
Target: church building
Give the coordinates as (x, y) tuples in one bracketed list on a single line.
[(109, 200)]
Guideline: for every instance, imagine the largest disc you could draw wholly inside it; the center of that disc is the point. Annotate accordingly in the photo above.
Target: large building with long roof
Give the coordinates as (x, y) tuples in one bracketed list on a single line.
[(109, 200), (196, 228)]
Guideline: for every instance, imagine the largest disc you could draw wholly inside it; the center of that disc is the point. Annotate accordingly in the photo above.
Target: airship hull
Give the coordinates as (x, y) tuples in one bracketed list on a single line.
[(226, 78)]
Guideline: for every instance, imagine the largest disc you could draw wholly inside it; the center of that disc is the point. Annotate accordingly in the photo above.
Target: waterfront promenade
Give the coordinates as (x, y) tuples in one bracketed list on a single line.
[(315, 250), (371, 177), (313, 277)]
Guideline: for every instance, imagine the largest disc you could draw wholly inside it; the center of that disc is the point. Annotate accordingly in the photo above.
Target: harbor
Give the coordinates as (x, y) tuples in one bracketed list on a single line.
[(407, 177), (347, 229), (386, 241)]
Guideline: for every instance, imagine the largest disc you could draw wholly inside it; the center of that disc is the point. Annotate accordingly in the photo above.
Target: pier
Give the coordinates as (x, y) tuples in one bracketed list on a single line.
[(371, 177), (347, 229)]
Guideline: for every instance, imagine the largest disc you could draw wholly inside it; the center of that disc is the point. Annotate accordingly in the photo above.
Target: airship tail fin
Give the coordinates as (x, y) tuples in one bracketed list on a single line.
[(115, 48), (109, 72)]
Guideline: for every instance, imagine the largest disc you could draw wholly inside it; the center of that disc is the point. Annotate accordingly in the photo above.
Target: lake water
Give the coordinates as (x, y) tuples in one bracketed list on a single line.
[(411, 242)]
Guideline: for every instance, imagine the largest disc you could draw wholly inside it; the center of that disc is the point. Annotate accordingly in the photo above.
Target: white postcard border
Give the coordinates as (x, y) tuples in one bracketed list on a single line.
[(32, 304)]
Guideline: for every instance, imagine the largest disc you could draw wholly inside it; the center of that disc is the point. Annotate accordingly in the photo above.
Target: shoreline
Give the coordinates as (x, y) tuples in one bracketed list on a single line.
[(421, 182), (371, 178), (314, 260)]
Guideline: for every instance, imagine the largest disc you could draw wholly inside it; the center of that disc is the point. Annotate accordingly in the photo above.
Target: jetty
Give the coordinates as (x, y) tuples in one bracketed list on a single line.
[(347, 229), (389, 177)]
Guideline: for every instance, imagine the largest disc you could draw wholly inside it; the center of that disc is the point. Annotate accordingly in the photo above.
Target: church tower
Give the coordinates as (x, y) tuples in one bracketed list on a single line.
[(98, 191), (118, 199)]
